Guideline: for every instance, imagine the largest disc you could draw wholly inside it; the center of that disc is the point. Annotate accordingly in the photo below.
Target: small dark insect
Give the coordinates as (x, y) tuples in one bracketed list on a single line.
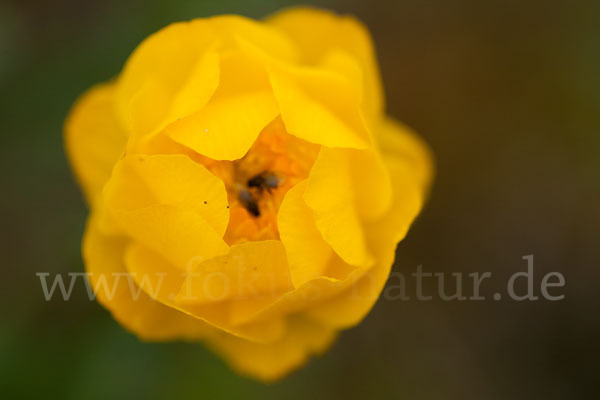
[(264, 180), (249, 202)]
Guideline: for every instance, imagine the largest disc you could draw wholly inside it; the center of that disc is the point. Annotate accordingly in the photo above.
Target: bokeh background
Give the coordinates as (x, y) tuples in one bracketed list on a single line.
[(507, 93)]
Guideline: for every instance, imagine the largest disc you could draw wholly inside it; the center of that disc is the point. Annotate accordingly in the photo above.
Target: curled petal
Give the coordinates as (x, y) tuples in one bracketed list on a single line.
[(166, 284), (383, 235), (241, 107), (321, 34), (250, 270), (269, 362), (308, 254), (141, 181), (117, 291), (159, 78), (94, 139), (330, 194)]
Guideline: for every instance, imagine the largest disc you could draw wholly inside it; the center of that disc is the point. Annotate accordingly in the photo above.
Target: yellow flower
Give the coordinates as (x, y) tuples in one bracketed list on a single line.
[(246, 188)]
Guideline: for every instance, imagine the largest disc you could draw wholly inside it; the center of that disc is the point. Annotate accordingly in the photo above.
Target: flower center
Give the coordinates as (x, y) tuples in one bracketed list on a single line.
[(257, 183)]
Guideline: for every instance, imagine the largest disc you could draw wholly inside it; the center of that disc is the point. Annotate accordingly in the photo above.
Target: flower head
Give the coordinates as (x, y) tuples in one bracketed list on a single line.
[(244, 177)]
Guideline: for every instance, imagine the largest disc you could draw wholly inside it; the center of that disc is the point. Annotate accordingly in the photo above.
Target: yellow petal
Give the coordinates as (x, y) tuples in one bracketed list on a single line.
[(372, 187), (318, 32), (171, 74), (141, 315), (178, 235), (383, 235), (319, 106), (401, 146), (231, 28), (226, 127), (160, 280), (338, 277), (140, 181), (250, 270), (238, 111), (308, 254), (330, 194), (198, 88), (157, 278), (94, 139), (272, 361), (342, 63)]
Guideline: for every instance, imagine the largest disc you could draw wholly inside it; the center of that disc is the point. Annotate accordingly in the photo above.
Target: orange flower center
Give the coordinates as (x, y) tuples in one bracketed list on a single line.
[(257, 183)]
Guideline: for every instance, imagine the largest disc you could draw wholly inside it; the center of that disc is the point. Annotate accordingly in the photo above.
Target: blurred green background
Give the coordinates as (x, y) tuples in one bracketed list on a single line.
[(507, 93)]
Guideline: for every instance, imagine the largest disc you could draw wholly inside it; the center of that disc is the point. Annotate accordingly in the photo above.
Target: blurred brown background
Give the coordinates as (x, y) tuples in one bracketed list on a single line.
[(507, 93)]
